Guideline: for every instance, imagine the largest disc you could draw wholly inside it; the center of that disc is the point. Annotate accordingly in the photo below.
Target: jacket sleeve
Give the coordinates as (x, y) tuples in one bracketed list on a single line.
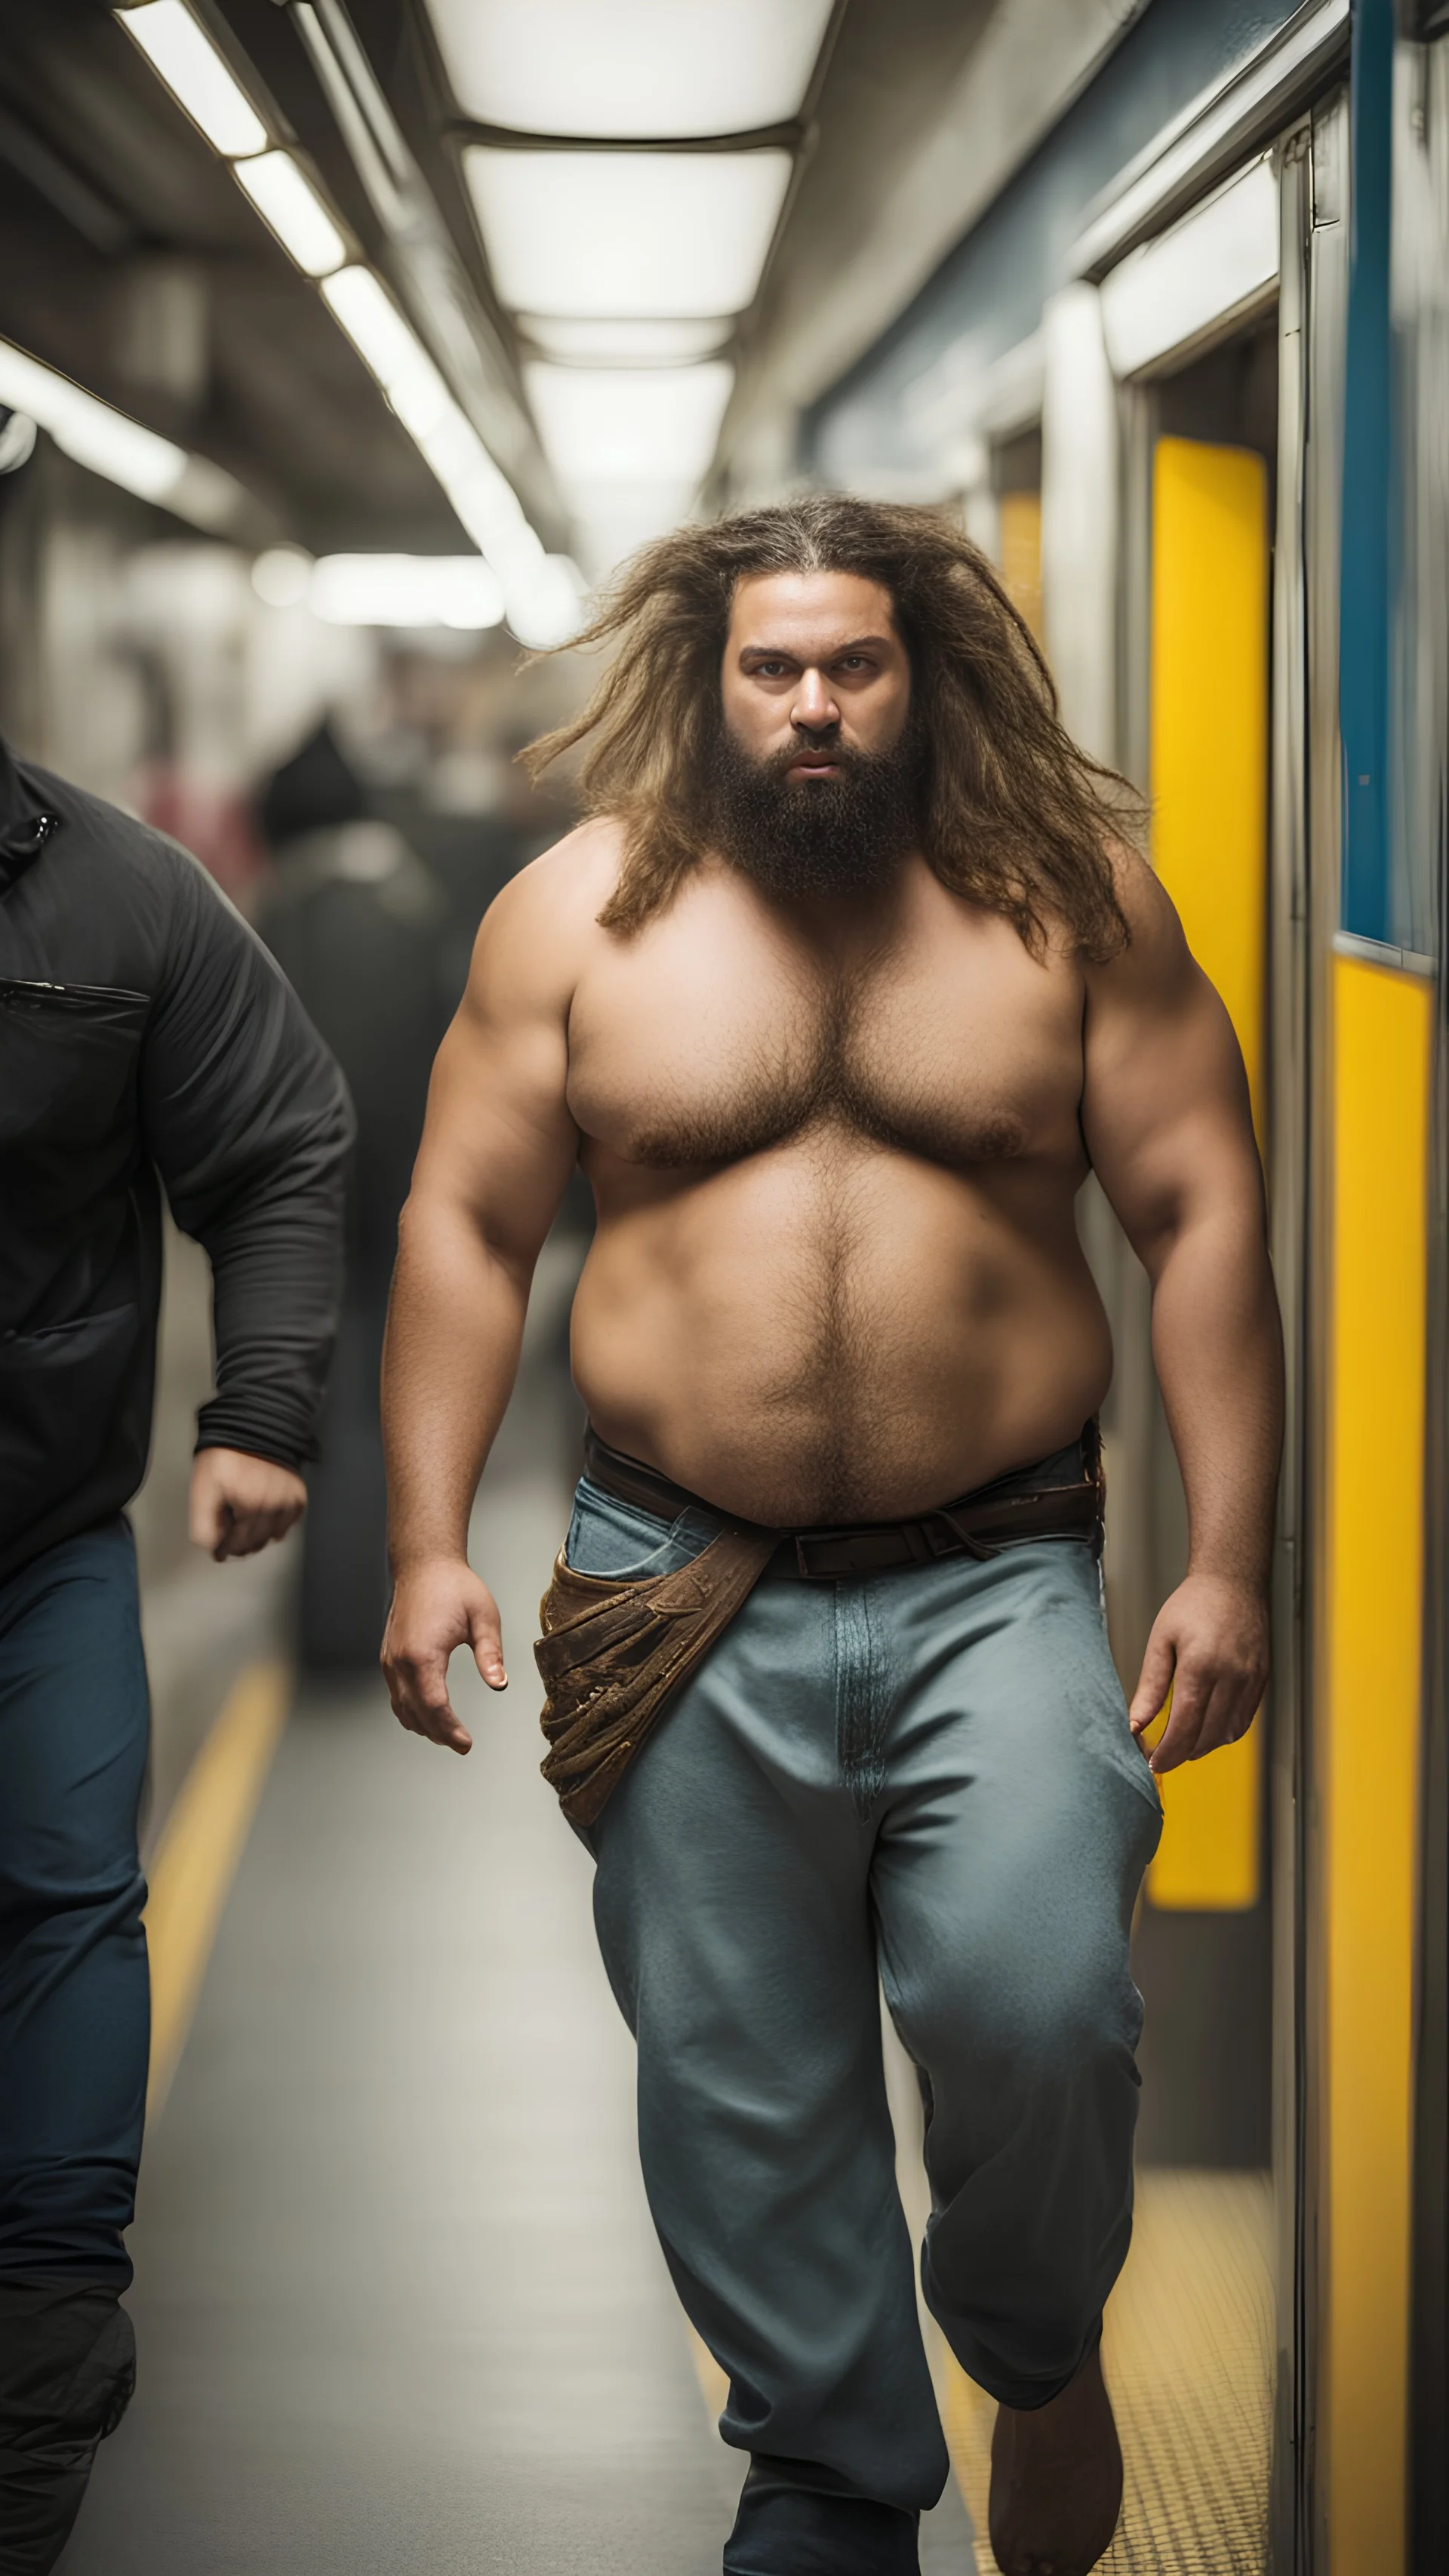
[(247, 1119)]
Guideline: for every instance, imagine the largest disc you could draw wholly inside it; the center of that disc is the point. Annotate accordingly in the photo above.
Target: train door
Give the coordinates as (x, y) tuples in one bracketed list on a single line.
[(1283, 552), (1198, 368), (1208, 442), (1200, 496)]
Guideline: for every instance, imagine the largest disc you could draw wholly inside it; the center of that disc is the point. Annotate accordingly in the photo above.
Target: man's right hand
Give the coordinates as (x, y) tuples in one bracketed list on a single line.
[(437, 1605)]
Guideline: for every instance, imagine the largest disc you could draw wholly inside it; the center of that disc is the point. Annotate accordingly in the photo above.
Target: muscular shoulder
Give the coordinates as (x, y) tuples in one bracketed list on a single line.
[(1154, 1021), (538, 935), (1154, 963)]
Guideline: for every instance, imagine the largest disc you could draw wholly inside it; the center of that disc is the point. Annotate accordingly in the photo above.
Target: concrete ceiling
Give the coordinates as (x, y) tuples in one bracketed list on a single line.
[(927, 109), (129, 259)]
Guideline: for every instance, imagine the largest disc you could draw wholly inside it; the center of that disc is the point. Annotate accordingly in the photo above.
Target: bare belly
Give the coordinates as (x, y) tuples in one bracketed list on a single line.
[(832, 1330)]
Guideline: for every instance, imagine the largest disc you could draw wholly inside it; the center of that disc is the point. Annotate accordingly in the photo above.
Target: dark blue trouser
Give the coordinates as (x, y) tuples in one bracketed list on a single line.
[(74, 1990)]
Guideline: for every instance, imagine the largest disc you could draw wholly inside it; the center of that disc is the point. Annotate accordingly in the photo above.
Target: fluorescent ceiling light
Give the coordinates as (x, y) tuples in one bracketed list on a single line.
[(627, 235), (405, 590), (630, 424), (460, 591), (17, 440), (391, 348), (541, 601), (196, 76), (290, 204), (637, 68), (547, 609), (373, 324), (541, 597), (624, 344), (108, 443), (281, 576), (1218, 264), (207, 495), (89, 430)]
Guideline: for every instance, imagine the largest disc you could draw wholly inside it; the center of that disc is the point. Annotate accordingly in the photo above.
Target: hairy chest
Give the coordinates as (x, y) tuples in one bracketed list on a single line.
[(953, 1046)]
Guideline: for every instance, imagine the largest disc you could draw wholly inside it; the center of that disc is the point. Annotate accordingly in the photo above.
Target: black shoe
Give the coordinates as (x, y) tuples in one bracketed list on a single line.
[(788, 2527), (67, 2369)]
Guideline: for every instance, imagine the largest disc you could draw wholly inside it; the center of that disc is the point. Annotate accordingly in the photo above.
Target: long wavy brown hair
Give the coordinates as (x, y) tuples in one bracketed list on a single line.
[(1014, 815)]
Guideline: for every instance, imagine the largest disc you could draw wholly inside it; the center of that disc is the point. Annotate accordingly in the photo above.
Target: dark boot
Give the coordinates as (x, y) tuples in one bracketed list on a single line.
[(67, 2369), (789, 2526)]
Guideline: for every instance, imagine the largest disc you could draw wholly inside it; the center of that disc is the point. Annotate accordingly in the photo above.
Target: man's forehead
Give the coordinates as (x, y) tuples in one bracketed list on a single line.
[(820, 607)]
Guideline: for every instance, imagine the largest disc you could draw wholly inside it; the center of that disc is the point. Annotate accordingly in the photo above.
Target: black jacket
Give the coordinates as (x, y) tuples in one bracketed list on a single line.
[(146, 1040)]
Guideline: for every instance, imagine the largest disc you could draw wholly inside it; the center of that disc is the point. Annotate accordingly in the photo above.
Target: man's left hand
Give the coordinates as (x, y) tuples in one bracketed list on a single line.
[(240, 1503), (1209, 1646)]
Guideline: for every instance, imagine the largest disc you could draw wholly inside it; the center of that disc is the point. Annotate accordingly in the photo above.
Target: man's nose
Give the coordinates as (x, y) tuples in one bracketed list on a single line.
[(814, 709)]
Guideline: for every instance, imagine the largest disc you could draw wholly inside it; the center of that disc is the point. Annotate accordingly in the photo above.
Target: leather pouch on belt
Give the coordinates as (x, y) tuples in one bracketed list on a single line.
[(612, 1653)]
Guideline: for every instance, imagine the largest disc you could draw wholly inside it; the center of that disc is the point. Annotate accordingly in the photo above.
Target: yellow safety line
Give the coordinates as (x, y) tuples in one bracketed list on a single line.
[(196, 1860), (1188, 2350)]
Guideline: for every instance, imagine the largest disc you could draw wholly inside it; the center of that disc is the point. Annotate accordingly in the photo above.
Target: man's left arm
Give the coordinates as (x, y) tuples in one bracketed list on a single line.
[(1168, 1125), (246, 1117)]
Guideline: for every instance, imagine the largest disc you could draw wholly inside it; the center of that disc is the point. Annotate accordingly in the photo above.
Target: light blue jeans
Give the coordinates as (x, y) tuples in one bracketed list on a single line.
[(924, 1776)]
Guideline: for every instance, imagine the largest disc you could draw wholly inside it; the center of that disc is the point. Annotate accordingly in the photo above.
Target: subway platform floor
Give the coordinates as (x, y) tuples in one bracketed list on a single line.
[(399, 2307)]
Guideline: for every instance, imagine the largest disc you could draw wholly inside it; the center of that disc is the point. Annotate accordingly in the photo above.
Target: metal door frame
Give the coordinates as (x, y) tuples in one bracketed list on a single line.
[(1312, 152), (1303, 880), (1292, 1093), (1323, 265)]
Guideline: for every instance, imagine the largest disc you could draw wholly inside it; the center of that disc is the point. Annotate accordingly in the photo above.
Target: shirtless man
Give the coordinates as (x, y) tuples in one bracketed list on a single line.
[(846, 985)]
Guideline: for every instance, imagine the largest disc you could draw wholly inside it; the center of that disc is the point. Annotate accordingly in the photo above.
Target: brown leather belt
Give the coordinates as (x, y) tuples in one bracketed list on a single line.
[(616, 1649), (1005, 1513)]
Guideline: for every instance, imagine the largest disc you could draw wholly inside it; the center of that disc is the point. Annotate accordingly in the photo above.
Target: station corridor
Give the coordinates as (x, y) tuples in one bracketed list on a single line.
[(354, 356)]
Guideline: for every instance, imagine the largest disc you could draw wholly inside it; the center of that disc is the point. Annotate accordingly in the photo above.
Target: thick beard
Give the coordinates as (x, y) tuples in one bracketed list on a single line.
[(841, 835)]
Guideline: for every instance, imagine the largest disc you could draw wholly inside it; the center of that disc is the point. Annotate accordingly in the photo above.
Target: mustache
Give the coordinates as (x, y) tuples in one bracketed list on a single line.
[(778, 764)]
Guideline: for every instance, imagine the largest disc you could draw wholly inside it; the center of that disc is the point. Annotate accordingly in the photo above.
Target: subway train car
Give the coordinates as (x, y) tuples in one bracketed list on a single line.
[(349, 378), (1194, 409)]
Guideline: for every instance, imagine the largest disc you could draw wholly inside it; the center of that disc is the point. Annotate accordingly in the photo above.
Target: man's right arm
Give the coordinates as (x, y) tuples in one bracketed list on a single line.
[(498, 1146)]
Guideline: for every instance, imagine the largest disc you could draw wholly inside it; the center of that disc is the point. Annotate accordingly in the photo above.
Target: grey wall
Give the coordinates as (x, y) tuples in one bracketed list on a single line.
[(989, 293)]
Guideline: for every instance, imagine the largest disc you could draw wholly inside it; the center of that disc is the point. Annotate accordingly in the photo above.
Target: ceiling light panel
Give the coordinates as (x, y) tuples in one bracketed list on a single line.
[(627, 235), (286, 200), (635, 69), (196, 76), (624, 344), (630, 424), (613, 518)]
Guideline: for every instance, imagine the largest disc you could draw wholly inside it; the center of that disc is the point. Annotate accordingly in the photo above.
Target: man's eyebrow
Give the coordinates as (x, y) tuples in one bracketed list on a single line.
[(787, 653)]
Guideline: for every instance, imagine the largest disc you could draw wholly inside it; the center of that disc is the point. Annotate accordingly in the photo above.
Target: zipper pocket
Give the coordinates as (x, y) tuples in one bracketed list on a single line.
[(24, 994)]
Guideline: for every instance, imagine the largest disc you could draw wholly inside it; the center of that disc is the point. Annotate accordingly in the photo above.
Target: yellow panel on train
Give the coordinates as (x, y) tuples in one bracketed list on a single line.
[(1021, 555), (1383, 1042), (1210, 574)]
